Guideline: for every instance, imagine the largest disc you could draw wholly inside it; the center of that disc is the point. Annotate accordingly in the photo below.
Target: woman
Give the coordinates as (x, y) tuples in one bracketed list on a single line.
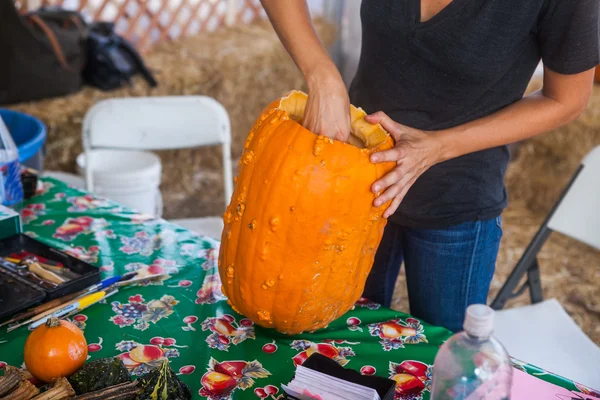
[(446, 79)]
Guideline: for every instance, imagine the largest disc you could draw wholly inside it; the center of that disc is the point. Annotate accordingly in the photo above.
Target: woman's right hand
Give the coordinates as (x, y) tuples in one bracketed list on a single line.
[(327, 110)]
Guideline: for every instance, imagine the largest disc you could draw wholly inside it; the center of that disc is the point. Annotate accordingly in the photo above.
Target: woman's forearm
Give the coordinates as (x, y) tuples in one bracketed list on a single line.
[(292, 23), (533, 115), (536, 113)]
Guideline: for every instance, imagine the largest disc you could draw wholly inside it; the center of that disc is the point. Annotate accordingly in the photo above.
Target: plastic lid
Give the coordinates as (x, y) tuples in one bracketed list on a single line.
[(479, 320)]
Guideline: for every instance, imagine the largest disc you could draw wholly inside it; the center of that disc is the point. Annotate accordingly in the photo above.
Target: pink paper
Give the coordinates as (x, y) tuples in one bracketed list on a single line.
[(527, 387)]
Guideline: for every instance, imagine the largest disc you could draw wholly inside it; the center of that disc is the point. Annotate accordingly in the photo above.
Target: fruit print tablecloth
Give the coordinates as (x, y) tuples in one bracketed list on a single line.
[(185, 318)]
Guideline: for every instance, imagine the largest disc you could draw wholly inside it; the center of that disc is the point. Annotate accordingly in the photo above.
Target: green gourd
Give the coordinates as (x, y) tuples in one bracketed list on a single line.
[(99, 374), (162, 384)]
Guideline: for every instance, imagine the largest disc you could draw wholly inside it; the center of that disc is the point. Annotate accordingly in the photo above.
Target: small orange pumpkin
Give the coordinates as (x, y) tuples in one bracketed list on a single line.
[(56, 349), (301, 230)]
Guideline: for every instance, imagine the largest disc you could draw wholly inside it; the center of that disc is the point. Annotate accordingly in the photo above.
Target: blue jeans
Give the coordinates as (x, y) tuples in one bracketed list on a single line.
[(446, 269)]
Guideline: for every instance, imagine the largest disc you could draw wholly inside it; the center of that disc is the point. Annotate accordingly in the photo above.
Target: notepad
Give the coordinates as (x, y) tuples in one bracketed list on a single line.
[(309, 384)]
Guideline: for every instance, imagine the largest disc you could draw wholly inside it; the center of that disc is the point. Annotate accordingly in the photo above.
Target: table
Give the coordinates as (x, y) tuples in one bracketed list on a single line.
[(185, 317)]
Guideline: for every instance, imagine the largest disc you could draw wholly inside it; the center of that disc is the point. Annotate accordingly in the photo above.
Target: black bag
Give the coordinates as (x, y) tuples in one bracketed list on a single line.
[(112, 60), (42, 53)]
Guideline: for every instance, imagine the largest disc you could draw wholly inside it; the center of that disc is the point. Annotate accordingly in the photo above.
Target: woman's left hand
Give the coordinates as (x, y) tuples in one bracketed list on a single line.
[(415, 152)]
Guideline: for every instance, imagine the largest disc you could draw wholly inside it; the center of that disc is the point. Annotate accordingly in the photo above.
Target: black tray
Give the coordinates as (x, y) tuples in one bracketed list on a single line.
[(89, 274), (17, 293)]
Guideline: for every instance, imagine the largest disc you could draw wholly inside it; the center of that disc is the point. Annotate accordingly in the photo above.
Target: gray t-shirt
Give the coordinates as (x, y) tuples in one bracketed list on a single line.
[(470, 60)]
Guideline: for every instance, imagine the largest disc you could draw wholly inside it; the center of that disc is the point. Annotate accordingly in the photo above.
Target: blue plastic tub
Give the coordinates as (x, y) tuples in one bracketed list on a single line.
[(29, 134)]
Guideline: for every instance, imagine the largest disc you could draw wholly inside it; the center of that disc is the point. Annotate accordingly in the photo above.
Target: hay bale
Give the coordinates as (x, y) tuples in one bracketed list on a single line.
[(243, 67)]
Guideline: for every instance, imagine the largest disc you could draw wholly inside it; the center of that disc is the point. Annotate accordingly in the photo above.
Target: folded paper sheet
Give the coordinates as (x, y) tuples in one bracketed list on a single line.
[(310, 384)]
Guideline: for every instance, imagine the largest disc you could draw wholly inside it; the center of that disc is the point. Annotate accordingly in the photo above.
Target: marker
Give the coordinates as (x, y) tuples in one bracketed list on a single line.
[(84, 302)]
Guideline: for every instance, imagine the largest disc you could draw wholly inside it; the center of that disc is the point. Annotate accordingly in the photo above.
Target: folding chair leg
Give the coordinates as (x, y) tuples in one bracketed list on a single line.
[(534, 282), (527, 266), (528, 263), (510, 288)]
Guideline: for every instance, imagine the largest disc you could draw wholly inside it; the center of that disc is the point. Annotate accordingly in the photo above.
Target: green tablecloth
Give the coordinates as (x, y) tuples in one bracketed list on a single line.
[(185, 318)]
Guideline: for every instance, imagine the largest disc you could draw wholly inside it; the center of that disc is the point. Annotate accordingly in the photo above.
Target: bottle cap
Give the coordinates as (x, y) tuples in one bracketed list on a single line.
[(479, 321)]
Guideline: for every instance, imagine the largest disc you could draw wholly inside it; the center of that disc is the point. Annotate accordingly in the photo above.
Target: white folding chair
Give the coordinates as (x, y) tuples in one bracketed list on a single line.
[(574, 355), (161, 123), (158, 123), (575, 214)]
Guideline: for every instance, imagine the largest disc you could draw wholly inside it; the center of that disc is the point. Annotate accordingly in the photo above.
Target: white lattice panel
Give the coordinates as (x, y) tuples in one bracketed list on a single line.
[(144, 22)]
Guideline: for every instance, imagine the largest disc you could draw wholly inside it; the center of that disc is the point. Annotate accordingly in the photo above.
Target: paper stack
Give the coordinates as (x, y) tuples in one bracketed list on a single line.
[(309, 384)]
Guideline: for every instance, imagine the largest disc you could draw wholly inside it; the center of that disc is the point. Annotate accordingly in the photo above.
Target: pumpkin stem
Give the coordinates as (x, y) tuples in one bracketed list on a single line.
[(52, 322)]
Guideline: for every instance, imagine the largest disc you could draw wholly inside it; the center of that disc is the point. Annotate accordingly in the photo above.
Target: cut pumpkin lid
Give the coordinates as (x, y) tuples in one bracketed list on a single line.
[(363, 134)]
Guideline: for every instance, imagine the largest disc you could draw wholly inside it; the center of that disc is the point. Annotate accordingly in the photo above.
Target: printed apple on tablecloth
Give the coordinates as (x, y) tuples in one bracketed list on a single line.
[(306, 348), (395, 333), (412, 378), (222, 378), (226, 330)]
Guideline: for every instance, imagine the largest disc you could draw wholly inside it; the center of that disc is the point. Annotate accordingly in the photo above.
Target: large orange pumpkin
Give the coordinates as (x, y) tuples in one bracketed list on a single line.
[(301, 231), (54, 350)]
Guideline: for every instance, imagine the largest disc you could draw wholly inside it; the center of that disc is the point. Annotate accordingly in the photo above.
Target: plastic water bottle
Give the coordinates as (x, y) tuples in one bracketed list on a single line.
[(472, 365), (11, 188)]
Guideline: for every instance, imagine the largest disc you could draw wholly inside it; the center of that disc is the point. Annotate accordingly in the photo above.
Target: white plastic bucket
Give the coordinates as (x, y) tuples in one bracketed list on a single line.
[(131, 178)]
